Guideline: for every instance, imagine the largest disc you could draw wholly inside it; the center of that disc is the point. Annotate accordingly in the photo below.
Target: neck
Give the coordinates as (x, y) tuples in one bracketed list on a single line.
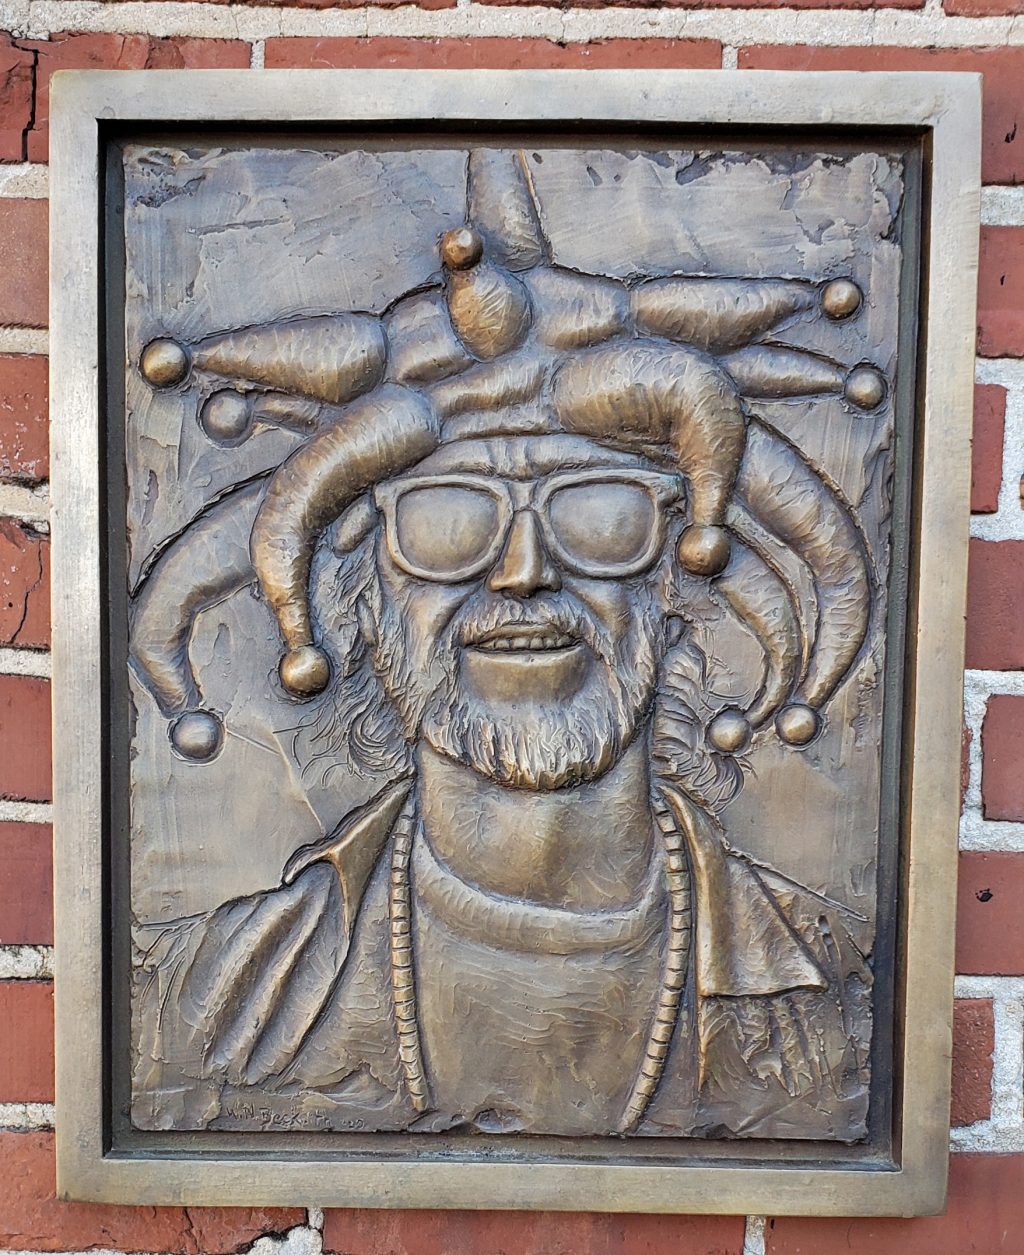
[(586, 848)]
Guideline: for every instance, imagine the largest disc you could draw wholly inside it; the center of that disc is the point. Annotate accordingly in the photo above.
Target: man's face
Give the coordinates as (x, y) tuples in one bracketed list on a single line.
[(520, 617)]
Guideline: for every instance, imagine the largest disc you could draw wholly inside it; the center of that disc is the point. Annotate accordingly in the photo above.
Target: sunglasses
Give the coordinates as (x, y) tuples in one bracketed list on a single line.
[(603, 524)]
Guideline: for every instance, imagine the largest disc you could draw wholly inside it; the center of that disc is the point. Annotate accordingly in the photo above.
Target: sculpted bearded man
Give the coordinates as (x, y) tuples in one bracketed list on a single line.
[(537, 924)]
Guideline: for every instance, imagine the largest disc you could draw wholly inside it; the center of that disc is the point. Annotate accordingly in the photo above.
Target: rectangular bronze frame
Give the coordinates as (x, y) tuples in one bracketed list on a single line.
[(944, 111)]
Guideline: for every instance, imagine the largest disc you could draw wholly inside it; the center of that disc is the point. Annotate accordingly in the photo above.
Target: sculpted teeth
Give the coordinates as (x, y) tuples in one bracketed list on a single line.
[(506, 643)]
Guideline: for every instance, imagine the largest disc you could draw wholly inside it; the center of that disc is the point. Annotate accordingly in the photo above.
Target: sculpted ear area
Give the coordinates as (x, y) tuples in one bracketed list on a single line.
[(344, 595), (353, 525)]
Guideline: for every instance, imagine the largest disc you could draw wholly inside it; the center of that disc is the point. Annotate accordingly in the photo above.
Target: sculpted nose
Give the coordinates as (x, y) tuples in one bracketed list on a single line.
[(524, 567)]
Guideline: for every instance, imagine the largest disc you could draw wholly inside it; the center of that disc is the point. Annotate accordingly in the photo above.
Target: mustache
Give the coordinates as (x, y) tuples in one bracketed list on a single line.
[(559, 613)]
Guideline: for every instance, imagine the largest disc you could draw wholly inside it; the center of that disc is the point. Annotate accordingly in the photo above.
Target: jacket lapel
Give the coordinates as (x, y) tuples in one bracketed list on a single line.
[(743, 945), (354, 847)]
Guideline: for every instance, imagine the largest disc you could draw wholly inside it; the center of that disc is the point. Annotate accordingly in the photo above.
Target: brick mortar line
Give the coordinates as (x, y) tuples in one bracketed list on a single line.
[(1007, 372), (26, 1117), (24, 340), (753, 1235), (928, 27), (28, 179), (15, 812), (29, 505), (30, 662), (1002, 206), (300, 1240), (23, 962)]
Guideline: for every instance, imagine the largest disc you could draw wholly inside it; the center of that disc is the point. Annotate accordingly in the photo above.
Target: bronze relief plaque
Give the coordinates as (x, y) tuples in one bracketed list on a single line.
[(510, 591)]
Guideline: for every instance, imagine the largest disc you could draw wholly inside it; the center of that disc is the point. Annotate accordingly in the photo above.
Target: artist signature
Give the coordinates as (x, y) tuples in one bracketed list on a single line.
[(271, 1119)]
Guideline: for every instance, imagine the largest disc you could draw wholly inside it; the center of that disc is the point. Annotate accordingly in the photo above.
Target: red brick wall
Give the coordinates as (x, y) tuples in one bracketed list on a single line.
[(987, 1139)]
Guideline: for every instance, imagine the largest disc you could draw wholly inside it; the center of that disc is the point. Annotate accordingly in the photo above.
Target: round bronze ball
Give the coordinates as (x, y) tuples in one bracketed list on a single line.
[(704, 549), (164, 363), (729, 731), (225, 417), (797, 724), (461, 248), (865, 388), (197, 735), (840, 298), (305, 671)]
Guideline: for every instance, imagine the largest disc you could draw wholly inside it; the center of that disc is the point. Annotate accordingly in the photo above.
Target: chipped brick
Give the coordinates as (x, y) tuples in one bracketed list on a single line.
[(974, 1040), (24, 586)]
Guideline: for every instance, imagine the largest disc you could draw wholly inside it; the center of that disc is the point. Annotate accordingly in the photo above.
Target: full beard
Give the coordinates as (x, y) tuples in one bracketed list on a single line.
[(547, 746)]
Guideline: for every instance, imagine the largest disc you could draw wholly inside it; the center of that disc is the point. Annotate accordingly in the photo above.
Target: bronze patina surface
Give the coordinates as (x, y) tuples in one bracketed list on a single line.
[(574, 518), (508, 619)]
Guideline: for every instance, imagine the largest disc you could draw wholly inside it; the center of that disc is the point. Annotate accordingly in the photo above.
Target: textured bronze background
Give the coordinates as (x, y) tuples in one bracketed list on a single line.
[(509, 546)]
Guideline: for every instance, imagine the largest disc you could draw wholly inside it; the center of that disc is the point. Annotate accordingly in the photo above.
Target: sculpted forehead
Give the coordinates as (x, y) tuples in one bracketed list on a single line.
[(522, 457)]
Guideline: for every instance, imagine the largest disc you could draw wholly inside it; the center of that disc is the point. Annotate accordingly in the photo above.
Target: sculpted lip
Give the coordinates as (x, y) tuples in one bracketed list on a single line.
[(520, 637)]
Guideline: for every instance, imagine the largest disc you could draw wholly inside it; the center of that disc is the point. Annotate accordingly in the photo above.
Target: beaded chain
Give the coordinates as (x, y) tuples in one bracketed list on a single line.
[(410, 1049), (673, 981)]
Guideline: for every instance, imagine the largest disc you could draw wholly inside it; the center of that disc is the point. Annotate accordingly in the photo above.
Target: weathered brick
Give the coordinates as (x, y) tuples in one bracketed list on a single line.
[(344, 52), (68, 51), (995, 605), (989, 919), (16, 77), (1000, 283), (24, 429), (983, 8), (985, 1216), (987, 447), (31, 1218), (24, 738), (26, 1041), (1003, 105), (526, 1233), (24, 586), (24, 265), (974, 1039), (26, 886), (1002, 759)]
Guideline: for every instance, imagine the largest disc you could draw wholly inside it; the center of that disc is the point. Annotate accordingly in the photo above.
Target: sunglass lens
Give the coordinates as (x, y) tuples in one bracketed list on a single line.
[(604, 523), (445, 528)]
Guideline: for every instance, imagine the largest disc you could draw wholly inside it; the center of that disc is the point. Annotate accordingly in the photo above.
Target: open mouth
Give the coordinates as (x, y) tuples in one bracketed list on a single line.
[(522, 638)]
